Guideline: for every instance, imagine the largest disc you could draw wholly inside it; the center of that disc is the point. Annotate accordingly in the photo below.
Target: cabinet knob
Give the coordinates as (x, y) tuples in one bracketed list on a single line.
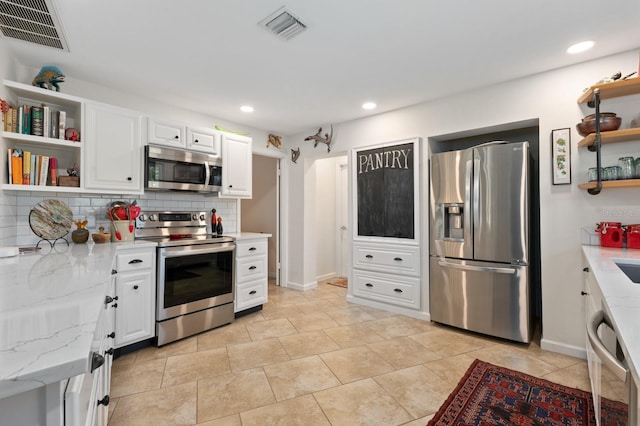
[(252, 249), (113, 272), (586, 269), (104, 401), (397, 290), (112, 335), (251, 268), (369, 285), (369, 256), (131, 262), (129, 178), (135, 287), (196, 141), (230, 186), (115, 305), (252, 292), (584, 293), (109, 351), (176, 137), (398, 259)]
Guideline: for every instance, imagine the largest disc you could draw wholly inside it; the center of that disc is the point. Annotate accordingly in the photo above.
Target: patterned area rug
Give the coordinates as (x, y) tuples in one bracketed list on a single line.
[(492, 395), (338, 282)]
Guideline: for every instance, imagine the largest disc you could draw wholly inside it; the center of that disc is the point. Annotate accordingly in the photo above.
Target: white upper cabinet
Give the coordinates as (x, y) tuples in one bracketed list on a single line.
[(165, 132), (236, 166), (205, 140), (113, 157)]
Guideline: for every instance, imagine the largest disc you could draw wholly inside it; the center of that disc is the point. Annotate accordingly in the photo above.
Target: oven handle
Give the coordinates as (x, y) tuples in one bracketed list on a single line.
[(180, 252), (618, 369), (207, 175)]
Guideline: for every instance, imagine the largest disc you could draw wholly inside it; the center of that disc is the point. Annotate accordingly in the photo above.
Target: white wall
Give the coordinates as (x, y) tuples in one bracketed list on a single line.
[(7, 200), (325, 235), (548, 97)]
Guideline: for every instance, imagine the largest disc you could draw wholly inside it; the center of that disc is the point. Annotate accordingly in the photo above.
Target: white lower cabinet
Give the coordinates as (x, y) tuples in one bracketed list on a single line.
[(136, 293), (387, 273), (251, 273)]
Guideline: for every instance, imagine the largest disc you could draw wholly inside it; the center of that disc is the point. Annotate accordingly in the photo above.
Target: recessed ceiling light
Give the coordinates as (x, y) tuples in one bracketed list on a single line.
[(246, 108), (580, 47), (369, 105)]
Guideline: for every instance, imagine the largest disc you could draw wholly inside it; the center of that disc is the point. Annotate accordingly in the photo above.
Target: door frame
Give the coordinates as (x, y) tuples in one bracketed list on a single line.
[(342, 202)]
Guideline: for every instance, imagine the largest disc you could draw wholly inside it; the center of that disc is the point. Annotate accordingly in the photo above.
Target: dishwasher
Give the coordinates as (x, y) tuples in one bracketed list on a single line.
[(610, 377)]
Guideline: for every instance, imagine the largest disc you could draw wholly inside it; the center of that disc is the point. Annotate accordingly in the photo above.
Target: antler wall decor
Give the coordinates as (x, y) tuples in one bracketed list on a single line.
[(317, 138)]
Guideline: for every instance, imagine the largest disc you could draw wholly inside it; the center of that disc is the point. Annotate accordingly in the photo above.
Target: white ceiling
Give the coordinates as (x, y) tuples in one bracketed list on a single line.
[(211, 55)]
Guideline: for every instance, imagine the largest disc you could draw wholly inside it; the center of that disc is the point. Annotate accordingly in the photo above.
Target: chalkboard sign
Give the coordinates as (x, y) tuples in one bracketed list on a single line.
[(385, 180)]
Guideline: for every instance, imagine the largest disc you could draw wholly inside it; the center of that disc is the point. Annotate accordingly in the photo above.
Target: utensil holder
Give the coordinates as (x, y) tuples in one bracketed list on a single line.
[(122, 230)]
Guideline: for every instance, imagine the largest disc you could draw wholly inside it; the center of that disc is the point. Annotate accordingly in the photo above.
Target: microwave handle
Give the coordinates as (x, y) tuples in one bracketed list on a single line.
[(207, 175), (618, 369)]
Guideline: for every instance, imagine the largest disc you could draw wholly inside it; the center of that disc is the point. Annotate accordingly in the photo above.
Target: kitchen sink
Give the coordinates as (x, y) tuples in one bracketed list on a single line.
[(631, 270)]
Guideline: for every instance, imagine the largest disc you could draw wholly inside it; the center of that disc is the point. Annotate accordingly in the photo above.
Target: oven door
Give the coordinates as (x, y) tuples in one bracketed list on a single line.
[(193, 278)]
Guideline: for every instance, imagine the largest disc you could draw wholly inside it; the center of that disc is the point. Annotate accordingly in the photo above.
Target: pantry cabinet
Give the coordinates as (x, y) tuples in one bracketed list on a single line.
[(136, 292), (236, 166), (114, 155)]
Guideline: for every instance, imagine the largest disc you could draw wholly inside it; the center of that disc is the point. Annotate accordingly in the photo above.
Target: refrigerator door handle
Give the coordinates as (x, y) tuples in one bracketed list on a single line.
[(477, 268)]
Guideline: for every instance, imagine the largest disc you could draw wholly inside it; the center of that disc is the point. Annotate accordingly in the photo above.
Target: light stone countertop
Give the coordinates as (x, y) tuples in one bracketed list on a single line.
[(50, 302), (622, 298), (239, 236)]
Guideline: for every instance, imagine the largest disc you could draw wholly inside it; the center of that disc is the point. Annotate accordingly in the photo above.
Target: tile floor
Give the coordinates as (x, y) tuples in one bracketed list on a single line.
[(311, 358)]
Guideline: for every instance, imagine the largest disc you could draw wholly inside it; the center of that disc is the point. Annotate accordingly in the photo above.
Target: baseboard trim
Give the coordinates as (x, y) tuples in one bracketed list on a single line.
[(563, 348), (302, 287), (425, 316), (326, 276)]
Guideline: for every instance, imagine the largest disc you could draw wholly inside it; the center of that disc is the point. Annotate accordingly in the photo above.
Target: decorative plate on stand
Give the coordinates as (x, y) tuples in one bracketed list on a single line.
[(51, 219)]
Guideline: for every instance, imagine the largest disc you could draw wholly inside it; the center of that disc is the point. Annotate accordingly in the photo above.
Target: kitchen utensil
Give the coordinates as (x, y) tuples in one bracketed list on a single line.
[(50, 219), (610, 234), (101, 236), (608, 121)]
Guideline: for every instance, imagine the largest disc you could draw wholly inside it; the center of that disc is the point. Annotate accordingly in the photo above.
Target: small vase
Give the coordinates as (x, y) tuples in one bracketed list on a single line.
[(80, 236)]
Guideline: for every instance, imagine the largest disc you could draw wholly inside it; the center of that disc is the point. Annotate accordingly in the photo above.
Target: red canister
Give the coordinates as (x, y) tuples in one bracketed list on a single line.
[(610, 234), (633, 236)]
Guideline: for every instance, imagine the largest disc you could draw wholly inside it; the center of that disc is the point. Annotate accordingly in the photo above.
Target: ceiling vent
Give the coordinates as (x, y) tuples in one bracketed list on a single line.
[(33, 21), (283, 23)]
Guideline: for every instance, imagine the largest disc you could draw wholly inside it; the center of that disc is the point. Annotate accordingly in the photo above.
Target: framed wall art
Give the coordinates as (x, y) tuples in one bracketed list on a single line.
[(561, 156)]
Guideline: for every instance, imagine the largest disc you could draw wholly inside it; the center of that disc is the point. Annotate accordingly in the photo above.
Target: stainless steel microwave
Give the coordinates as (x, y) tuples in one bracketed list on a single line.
[(167, 169)]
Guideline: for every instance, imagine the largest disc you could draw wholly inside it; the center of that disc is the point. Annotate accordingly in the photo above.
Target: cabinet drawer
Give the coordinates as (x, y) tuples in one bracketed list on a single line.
[(402, 260), (251, 248), (402, 291), (134, 261), (251, 294), (251, 268), (165, 133)]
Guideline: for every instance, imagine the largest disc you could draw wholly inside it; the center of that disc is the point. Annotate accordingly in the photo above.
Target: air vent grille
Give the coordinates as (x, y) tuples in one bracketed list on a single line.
[(283, 23), (33, 21)]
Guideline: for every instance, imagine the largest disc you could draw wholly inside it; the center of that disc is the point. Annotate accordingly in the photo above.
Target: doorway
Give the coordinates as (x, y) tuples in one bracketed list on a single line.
[(261, 213), (342, 218)]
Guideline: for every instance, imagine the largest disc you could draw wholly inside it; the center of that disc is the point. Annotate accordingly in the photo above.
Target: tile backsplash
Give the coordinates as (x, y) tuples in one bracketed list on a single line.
[(81, 204)]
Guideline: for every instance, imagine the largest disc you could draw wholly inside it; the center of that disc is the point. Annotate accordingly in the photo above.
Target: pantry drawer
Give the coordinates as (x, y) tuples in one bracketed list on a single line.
[(251, 268), (251, 248), (402, 260), (250, 294), (402, 291)]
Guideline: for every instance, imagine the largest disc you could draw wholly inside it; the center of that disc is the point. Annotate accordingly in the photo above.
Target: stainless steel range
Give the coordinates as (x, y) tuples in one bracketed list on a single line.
[(195, 276)]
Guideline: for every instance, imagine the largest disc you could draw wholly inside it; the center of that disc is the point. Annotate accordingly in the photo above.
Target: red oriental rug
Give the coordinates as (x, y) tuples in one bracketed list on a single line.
[(491, 395), (338, 282)]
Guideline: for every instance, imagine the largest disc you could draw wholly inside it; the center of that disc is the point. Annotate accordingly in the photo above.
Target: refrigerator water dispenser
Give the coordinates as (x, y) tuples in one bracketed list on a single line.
[(453, 222)]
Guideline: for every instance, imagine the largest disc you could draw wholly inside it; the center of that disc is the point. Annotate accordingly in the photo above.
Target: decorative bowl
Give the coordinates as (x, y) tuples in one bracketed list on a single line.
[(101, 236), (608, 122)]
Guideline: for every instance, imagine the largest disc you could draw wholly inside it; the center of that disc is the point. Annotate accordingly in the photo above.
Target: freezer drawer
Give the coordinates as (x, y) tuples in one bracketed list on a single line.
[(485, 297)]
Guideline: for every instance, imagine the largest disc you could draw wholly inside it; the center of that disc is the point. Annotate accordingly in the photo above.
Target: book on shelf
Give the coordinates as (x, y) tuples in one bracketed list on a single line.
[(9, 168), (16, 167), (62, 123), (53, 172), (14, 120), (55, 132), (32, 174), (26, 168), (44, 171), (37, 121), (46, 121), (26, 119)]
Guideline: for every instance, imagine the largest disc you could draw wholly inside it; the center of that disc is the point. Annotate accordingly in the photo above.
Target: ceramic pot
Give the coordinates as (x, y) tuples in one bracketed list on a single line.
[(80, 236)]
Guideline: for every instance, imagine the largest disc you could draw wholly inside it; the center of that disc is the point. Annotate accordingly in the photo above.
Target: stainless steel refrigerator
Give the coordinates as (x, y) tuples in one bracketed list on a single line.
[(479, 240)]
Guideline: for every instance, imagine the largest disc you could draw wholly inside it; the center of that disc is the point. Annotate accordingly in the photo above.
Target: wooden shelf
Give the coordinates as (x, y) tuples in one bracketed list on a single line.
[(41, 188), (40, 140), (627, 183), (613, 136), (615, 89), (43, 95)]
